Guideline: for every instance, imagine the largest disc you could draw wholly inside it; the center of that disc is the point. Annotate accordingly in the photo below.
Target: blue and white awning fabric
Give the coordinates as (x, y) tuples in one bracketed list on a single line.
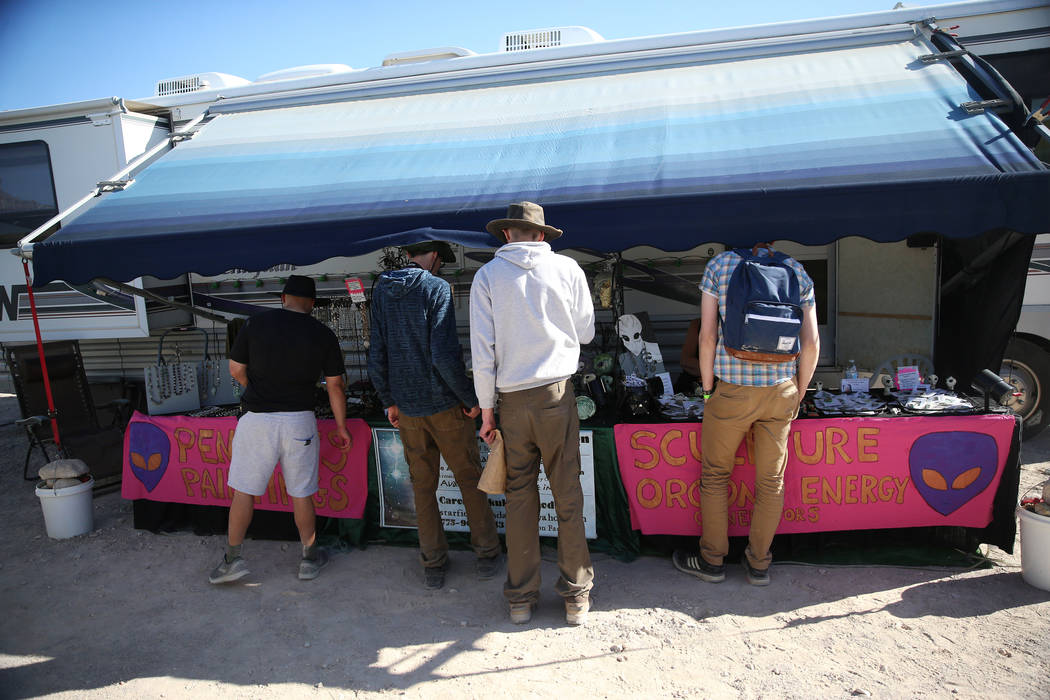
[(806, 146)]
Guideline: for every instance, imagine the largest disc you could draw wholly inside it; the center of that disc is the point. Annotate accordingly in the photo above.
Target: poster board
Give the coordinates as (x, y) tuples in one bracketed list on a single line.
[(397, 503)]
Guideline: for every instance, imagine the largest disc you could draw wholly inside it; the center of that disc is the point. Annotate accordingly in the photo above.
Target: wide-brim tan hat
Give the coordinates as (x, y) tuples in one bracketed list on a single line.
[(523, 215)]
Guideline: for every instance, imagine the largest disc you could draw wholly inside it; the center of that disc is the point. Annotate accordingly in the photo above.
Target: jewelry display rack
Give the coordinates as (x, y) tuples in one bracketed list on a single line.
[(180, 387)]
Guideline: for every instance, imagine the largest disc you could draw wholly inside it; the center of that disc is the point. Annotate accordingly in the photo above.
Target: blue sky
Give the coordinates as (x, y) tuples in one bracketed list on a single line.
[(54, 51)]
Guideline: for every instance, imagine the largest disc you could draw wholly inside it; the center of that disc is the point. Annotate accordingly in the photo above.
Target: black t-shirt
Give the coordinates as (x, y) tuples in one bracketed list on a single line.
[(286, 353)]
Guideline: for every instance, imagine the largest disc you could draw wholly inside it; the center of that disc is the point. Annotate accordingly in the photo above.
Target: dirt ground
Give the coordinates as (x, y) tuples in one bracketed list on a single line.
[(125, 613)]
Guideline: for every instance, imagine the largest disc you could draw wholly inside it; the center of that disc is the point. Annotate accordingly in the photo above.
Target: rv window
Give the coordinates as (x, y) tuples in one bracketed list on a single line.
[(818, 272), (27, 189)]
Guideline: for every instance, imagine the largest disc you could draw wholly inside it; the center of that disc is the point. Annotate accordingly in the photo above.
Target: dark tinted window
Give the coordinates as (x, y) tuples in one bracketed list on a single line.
[(27, 189), (818, 272)]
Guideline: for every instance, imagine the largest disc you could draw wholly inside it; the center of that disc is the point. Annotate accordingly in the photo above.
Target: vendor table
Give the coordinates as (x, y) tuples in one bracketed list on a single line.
[(842, 474)]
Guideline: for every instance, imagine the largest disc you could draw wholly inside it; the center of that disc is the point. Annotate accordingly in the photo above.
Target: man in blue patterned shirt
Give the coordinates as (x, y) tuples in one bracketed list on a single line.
[(416, 366), (759, 396)]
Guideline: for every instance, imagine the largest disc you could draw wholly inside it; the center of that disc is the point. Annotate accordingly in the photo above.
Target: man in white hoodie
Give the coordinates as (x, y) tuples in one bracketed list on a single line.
[(530, 310)]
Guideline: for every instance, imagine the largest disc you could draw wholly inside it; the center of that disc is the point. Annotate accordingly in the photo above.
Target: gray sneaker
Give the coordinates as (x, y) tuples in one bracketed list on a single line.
[(310, 568), (228, 571)]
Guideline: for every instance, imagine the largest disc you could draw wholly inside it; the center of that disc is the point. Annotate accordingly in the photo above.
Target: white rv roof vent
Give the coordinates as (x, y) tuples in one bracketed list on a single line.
[(544, 38), (435, 54), (197, 82), (311, 71)]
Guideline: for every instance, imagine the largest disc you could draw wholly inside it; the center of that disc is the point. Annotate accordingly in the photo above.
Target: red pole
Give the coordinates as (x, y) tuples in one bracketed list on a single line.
[(51, 412)]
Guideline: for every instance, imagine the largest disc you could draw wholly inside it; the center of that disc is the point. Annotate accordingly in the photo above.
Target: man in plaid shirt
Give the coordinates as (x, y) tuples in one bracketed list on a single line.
[(759, 396)]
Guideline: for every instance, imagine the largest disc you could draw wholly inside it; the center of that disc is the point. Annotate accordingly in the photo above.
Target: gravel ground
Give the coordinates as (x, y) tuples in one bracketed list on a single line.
[(122, 613)]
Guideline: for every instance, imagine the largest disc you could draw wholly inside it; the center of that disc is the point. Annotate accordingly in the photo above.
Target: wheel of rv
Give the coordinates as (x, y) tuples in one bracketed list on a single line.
[(1026, 367)]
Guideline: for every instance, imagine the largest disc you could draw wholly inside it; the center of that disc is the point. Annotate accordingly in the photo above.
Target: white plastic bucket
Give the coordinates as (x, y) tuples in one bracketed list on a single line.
[(1035, 548), (67, 511)]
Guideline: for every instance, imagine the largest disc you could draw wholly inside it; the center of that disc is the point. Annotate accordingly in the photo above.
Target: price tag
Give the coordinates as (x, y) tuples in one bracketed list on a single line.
[(356, 289), (908, 377), (665, 380), (855, 385)]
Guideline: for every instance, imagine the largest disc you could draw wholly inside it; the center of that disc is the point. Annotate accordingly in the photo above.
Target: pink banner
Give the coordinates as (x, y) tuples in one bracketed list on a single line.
[(842, 474), (185, 460)]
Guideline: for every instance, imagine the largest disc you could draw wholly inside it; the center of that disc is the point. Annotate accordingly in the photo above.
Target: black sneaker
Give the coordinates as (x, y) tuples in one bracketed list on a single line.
[(486, 568), (434, 576), (756, 577), (696, 565)]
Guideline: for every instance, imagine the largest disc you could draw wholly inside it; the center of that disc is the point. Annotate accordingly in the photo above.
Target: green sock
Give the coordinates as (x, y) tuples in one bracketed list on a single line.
[(232, 552)]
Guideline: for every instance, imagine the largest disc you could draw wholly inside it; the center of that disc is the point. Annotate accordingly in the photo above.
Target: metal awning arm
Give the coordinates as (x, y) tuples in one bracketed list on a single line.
[(117, 182), (146, 294), (977, 72)]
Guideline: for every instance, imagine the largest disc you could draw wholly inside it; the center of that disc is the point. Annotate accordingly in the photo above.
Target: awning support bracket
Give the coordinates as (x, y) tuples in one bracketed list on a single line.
[(112, 186), (980, 106), (182, 136), (934, 57)]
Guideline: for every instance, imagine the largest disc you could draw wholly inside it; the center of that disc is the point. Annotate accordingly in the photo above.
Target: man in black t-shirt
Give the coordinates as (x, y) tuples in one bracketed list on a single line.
[(279, 356)]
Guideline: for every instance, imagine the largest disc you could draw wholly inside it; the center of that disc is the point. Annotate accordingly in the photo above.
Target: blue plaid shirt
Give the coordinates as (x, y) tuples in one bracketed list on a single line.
[(731, 369)]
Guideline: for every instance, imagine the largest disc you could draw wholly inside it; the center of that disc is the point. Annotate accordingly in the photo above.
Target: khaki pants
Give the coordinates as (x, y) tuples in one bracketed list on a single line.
[(729, 414), (453, 435), (543, 423)]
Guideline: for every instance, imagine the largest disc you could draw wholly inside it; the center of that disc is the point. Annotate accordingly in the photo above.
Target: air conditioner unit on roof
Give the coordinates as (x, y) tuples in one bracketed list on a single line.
[(198, 82), (545, 38)]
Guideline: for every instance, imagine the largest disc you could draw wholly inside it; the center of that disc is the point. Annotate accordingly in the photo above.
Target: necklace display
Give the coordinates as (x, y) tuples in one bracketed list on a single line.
[(166, 382), (179, 386), (348, 320), (157, 384), (365, 329), (212, 378), (178, 382)]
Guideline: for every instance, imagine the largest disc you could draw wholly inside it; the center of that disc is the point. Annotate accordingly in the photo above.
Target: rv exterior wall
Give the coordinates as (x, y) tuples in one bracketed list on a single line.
[(887, 301), (1035, 314)]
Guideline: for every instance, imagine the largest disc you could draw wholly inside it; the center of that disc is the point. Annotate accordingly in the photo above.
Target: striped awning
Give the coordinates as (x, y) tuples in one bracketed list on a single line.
[(806, 145)]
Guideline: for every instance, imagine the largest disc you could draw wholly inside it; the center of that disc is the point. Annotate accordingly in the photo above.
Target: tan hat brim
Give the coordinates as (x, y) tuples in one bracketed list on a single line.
[(496, 226)]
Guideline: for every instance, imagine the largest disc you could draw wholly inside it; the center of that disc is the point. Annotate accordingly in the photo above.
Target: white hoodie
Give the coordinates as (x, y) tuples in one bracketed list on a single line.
[(530, 310)]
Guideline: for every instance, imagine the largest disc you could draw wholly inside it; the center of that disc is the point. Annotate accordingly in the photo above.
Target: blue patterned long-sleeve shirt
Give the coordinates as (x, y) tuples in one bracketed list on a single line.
[(414, 359)]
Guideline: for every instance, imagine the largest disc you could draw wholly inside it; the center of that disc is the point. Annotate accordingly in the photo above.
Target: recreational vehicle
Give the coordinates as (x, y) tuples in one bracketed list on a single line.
[(92, 193)]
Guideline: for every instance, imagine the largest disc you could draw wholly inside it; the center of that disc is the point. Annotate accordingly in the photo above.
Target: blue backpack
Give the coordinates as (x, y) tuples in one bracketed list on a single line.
[(763, 308)]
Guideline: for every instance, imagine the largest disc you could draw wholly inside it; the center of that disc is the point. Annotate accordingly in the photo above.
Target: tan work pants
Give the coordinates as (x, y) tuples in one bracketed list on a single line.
[(453, 435), (728, 415), (543, 423)]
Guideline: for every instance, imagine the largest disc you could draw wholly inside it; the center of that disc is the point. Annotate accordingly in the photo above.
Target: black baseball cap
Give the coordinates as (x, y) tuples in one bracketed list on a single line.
[(300, 286)]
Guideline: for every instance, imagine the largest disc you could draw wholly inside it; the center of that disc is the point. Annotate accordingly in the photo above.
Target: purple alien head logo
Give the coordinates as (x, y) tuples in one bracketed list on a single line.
[(950, 468), (148, 450)]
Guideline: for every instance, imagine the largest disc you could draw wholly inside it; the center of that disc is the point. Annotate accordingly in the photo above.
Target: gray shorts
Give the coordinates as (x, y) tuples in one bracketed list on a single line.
[(264, 439)]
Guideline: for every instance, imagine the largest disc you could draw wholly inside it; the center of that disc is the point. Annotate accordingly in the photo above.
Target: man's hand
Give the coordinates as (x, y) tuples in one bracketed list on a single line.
[(488, 425), (471, 412), (344, 437), (394, 416)]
